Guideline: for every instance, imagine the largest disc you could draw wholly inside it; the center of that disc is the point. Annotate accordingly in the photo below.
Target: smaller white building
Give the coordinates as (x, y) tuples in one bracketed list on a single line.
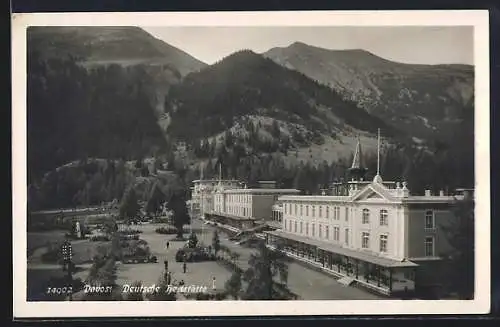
[(244, 207)]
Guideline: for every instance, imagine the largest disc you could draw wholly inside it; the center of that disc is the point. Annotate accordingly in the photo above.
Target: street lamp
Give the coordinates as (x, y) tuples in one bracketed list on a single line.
[(67, 254)]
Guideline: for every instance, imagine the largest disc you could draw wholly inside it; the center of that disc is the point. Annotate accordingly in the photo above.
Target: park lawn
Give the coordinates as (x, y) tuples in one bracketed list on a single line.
[(85, 250), (37, 240)]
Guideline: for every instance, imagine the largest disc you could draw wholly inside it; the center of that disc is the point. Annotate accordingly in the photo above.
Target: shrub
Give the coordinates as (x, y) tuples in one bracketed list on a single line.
[(100, 238), (194, 255), (230, 264), (169, 230)]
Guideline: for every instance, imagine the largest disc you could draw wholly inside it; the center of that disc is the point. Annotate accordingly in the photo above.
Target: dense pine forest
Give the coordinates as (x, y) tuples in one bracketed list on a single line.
[(75, 113), (245, 83)]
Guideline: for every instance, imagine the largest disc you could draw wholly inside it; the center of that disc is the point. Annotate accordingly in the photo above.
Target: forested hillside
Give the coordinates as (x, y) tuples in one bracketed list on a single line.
[(75, 113), (245, 83)]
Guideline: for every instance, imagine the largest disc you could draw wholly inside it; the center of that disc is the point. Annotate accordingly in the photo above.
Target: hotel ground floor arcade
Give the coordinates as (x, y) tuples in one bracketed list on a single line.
[(231, 220), (382, 275)]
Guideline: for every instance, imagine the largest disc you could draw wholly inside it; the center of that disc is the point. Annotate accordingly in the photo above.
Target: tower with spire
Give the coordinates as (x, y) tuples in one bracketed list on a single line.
[(357, 171)]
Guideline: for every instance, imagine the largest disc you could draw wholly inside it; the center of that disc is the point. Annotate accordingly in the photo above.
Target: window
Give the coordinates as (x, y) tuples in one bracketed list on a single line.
[(429, 246), (286, 225), (327, 232), (295, 227), (307, 228), (313, 211), (383, 243), (301, 227), (429, 219), (301, 211), (336, 233), (337, 213), (320, 231), (383, 217), (313, 231), (295, 211), (366, 216), (327, 212), (346, 214), (365, 240), (307, 210), (346, 236), (320, 211)]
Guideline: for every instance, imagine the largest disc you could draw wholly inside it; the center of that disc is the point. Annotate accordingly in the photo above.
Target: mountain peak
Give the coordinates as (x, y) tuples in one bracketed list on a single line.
[(102, 45), (299, 44), (393, 91), (242, 53)]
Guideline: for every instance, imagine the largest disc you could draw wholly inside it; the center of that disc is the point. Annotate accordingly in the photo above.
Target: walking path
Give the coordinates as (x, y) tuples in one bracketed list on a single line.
[(198, 274), (305, 282)]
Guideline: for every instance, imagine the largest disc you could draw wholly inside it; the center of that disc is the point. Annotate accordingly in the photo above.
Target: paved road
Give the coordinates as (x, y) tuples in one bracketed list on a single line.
[(307, 283), (198, 273)]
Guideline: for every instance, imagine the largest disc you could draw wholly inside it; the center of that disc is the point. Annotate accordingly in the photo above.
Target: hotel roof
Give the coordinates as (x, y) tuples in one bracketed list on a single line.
[(260, 190), (216, 181)]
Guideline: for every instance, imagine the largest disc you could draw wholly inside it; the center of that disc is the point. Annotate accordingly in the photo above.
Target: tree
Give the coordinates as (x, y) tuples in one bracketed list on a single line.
[(164, 293), (264, 267), (216, 242), (179, 212), (129, 207), (110, 226), (233, 284), (155, 200), (193, 240), (275, 129), (460, 236)]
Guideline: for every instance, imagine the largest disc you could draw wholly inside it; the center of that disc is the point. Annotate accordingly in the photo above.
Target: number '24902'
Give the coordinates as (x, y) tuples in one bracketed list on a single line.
[(59, 290)]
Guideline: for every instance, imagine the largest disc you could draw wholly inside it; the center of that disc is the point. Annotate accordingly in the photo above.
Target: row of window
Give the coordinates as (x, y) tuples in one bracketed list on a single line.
[(383, 214), (365, 241), (298, 227), (241, 198), (241, 211), (296, 209)]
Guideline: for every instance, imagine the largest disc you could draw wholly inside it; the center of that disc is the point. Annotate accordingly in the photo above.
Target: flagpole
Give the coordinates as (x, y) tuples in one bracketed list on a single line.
[(378, 153)]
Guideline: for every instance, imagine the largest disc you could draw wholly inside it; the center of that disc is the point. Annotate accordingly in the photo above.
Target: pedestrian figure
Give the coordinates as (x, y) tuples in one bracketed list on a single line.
[(213, 283), (168, 244), (184, 266)]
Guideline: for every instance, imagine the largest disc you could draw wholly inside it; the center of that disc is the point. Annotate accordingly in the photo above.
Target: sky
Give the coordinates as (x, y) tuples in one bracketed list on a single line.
[(406, 44)]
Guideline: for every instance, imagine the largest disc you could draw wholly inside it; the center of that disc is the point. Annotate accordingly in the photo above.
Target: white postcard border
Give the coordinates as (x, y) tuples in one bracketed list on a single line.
[(476, 18)]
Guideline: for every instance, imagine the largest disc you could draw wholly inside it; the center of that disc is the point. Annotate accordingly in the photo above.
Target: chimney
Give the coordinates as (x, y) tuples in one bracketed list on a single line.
[(441, 193), (428, 193)]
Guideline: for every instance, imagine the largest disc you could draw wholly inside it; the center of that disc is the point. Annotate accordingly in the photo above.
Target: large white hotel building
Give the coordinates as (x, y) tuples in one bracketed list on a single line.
[(373, 233)]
